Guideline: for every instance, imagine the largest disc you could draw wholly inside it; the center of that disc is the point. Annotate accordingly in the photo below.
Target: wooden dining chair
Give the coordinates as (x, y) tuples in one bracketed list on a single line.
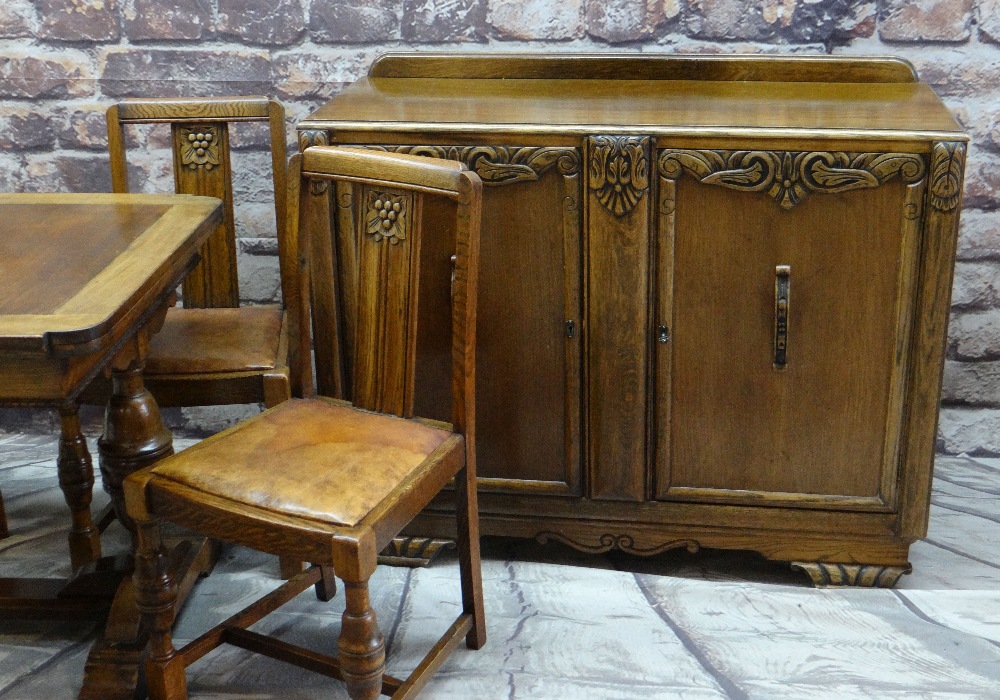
[(213, 351), (320, 479)]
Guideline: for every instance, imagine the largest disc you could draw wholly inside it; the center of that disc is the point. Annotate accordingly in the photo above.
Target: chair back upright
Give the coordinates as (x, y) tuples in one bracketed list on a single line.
[(200, 142), (407, 208)]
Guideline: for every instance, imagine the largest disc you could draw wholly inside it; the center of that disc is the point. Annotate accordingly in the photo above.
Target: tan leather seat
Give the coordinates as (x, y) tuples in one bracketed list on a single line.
[(311, 459), (204, 341)]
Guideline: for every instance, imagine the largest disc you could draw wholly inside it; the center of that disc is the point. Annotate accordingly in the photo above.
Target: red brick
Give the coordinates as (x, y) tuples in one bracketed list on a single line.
[(436, 21), (269, 22), (975, 383), (83, 127), (929, 20), (858, 23), (953, 73), (982, 180), (355, 21), (167, 19), (979, 237), (536, 19), (36, 75), (974, 335), (11, 172), (17, 19), (24, 128), (988, 17), (727, 19), (629, 21), (977, 285), (133, 72), (301, 75), (78, 20), (67, 173)]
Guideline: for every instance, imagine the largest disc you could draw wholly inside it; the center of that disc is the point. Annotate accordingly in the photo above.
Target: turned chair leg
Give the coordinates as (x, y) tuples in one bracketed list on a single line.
[(362, 649), (76, 479), (326, 587), (4, 532), (156, 596), (470, 567)]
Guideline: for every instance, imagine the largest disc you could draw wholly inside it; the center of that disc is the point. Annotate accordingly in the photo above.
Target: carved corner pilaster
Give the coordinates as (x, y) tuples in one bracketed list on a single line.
[(947, 166), (829, 575)]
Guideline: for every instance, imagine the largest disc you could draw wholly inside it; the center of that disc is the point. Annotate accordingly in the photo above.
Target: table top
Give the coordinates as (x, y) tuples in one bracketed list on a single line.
[(855, 97), (75, 267)]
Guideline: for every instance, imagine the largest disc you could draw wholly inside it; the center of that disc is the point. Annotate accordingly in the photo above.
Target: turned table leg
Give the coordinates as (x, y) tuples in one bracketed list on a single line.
[(76, 479), (134, 436)]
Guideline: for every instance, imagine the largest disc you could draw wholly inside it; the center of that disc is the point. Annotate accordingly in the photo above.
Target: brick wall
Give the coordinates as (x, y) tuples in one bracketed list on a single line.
[(63, 61)]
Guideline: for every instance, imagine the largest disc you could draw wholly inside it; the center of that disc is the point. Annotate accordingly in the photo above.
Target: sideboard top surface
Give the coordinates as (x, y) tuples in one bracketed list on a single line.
[(860, 98)]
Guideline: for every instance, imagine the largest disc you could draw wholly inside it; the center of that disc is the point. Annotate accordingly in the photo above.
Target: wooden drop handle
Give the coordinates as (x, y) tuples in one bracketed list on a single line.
[(782, 290)]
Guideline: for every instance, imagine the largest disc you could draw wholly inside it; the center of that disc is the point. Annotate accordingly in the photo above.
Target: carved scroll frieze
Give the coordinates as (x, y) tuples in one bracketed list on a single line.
[(501, 165), (789, 176), (619, 171), (946, 175), (826, 575), (623, 542), (385, 216), (199, 147)]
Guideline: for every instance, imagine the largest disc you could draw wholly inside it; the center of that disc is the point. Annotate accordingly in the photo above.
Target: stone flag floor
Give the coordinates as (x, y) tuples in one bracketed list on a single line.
[(567, 625)]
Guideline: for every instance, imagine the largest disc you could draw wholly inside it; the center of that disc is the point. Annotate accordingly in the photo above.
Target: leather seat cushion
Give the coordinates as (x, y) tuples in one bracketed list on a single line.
[(202, 341), (308, 458)]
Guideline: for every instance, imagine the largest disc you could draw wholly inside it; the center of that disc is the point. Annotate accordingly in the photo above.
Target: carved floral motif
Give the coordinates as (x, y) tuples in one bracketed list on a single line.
[(946, 175), (386, 216), (200, 147), (788, 176), (619, 171)]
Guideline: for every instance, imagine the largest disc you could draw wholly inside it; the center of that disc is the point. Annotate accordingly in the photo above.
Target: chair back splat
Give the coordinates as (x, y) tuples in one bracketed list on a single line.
[(399, 265)]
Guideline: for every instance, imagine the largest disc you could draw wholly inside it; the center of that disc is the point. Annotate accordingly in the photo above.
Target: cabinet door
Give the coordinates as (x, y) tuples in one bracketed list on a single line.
[(528, 329), (785, 291)]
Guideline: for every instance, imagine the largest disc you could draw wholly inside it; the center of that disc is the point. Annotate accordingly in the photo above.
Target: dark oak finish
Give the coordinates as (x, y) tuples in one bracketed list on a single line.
[(85, 284), (319, 479), (756, 256)]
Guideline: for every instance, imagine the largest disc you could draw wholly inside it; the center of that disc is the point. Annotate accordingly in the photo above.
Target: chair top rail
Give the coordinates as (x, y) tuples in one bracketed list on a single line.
[(363, 165), (249, 108)]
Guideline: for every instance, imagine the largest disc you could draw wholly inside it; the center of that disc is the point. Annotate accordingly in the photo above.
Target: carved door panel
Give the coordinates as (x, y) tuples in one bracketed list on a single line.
[(784, 286), (528, 400)]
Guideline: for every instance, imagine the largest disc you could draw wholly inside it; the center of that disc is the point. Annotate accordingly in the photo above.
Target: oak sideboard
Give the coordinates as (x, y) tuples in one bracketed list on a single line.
[(714, 294)]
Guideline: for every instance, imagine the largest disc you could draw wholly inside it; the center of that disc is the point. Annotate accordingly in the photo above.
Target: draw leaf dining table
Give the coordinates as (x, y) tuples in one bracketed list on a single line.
[(85, 280)]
